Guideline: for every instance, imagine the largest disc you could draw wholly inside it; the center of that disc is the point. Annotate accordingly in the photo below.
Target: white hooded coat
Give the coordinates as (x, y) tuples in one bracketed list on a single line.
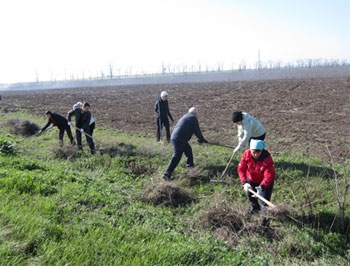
[(251, 127)]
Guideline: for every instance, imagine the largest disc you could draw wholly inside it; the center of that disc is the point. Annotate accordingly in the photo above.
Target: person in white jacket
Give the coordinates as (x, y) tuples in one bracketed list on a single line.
[(248, 128)]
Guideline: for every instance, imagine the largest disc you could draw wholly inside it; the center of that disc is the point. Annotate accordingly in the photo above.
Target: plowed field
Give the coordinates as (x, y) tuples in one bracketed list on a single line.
[(306, 115)]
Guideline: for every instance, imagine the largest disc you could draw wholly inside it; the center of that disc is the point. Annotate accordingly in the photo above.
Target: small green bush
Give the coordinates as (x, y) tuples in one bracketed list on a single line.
[(6, 147)]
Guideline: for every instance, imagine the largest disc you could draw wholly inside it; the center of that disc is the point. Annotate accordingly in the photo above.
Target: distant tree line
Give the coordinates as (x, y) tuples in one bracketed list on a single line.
[(111, 72)]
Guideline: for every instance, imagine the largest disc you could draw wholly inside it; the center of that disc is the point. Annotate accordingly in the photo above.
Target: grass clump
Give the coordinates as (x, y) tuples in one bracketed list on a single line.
[(24, 128), (165, 194)]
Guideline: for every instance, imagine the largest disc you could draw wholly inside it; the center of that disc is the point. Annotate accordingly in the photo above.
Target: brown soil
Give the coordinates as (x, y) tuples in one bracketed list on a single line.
[(309, 115)]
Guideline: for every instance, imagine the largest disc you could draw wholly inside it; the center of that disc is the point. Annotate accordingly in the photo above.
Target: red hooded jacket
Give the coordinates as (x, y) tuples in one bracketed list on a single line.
[(261, 172)]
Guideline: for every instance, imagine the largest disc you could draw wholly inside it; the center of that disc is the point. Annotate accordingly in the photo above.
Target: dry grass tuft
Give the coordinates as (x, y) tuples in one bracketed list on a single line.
[(25, 128), (196, 175), (235, 224), (279, 213), (66, 152), (217, 218), (166, 194), (222, 219), (121, 149), (225, 224)]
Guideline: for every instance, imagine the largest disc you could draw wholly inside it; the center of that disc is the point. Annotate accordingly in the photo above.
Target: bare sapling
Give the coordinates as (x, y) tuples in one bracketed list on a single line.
[(342, 185)]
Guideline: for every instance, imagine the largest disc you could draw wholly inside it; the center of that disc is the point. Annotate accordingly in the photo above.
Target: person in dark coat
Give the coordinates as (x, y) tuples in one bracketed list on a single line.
[(61, 123), (92, 123), (183, 131), (163, 112), (82, 123)]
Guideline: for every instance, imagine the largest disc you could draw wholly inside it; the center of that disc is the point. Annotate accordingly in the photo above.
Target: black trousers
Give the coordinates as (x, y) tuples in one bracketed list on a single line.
[(160, 122), (89, 140), (61, 133), (254, 202), (179, 149), (262, 137)]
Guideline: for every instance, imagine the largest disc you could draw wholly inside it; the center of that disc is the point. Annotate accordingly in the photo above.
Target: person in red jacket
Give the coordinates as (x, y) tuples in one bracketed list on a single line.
[(256, 171)]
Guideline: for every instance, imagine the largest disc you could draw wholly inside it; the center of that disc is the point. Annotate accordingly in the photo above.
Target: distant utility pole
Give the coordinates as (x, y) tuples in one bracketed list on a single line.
[(259, 62)]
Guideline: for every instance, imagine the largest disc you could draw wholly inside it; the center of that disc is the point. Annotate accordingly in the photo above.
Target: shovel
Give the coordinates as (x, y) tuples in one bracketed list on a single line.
[(85, 133)]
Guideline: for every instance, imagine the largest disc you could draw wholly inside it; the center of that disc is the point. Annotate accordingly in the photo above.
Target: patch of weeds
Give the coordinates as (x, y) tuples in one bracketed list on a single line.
[(54, 232), (31, 166), (6, 147), (140, 167), (29, 183)]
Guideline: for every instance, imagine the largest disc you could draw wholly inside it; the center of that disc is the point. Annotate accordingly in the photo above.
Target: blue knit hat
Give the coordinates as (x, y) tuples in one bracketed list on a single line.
[(257, 144)]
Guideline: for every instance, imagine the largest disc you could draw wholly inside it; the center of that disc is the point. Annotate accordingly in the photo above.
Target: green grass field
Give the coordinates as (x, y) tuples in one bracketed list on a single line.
[(63, 207)]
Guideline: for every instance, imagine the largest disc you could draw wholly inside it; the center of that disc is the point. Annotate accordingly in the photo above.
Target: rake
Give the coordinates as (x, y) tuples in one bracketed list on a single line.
[(36, 134), (225, 171), (262, 198)]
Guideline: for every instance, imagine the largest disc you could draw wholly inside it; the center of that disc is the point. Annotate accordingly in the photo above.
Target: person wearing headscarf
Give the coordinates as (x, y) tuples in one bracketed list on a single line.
[(257, 172)]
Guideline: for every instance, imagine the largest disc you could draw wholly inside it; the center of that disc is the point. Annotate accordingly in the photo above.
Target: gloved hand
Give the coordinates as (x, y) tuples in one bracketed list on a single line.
[(205, 141), (246, 186), (70, 123), (260, 189), (202, 140), (236, 149), (82, 130)]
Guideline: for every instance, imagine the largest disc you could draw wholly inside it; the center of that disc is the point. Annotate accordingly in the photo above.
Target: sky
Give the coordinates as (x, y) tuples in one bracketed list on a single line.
[(46, 40)]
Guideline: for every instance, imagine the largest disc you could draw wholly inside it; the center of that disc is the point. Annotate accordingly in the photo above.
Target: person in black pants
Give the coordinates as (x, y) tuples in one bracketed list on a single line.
[(62, 124), (92, 123), (257, 172), (82, 122), (183, 131), (162, 111)]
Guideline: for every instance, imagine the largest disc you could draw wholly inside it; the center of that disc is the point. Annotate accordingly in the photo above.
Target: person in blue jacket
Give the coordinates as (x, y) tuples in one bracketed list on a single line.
[(182, 133)]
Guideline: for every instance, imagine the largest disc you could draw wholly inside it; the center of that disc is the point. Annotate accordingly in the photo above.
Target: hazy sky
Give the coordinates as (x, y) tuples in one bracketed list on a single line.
[(55, 39)]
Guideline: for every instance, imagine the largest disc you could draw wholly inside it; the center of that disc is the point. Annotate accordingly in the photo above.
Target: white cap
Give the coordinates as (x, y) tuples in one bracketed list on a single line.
[(192, 110), (78, 105), (163, 94)]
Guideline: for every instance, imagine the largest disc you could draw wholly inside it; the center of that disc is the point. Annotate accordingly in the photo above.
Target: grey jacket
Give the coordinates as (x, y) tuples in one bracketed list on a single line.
[(185, 128)]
